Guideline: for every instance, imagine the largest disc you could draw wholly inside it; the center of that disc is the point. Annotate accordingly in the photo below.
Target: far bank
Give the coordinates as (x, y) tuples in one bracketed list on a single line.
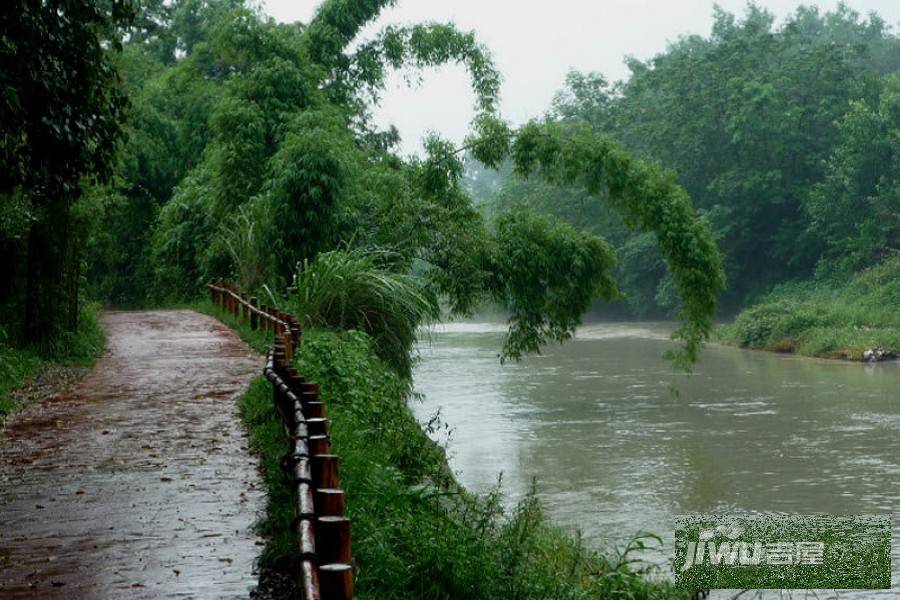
[(857, 318)]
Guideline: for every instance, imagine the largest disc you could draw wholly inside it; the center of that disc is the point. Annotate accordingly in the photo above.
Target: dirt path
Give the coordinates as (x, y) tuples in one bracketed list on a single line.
[(138, 481)]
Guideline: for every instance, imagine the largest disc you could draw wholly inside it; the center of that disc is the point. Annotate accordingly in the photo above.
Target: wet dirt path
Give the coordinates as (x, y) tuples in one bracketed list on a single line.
[(137, 482)]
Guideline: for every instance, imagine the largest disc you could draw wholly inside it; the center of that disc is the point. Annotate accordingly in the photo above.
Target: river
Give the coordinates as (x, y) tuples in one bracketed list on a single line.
[(615, 452)]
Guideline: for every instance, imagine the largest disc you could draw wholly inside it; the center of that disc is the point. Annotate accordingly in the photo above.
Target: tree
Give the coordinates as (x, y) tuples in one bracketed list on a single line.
[(60, 122), (855, 209), (292, 158)]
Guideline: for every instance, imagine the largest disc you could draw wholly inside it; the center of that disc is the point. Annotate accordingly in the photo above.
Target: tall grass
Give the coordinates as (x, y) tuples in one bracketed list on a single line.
[(243, 235), (356, 289)]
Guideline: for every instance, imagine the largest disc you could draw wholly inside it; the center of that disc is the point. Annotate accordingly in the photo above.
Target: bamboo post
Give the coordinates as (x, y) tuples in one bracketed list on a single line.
[(295, 332), (333, 539), (244, 311), (325, 470), (309, 581), (329, 502), (288, 347), (306, 538), (317, 426), (315, 410), (319, 444), (336, 581), (305, 504), (254, 317)]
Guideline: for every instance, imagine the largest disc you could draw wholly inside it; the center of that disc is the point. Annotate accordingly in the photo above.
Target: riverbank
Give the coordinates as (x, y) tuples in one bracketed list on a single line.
[(826, 319), (416, 532), (27, 375)]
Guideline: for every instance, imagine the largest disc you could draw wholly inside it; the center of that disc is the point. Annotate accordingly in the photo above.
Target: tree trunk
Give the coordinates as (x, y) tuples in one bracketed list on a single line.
[(47, 301)]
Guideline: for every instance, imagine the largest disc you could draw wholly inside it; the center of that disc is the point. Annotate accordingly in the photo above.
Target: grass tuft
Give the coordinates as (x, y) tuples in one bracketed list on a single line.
[(355, 289)]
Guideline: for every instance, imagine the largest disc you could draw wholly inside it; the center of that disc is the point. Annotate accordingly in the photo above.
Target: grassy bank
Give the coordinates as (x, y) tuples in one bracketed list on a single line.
[(826, 319), (416, 532), (78, 351)]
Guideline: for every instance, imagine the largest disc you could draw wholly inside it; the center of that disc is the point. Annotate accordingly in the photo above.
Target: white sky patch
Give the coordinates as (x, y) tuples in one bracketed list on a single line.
[(535, 44)]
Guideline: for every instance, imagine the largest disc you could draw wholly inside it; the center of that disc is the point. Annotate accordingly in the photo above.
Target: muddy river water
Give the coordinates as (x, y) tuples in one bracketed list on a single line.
[(615, 452)]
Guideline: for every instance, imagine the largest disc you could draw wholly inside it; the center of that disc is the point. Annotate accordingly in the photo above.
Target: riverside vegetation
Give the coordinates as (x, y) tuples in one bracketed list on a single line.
[(416, 532), (826, 319)]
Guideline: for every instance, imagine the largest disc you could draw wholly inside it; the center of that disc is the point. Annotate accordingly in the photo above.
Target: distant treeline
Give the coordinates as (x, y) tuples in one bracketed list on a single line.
[(786, 136)]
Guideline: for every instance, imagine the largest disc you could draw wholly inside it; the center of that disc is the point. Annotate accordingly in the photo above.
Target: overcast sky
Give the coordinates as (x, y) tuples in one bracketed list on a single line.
[(535, 44)]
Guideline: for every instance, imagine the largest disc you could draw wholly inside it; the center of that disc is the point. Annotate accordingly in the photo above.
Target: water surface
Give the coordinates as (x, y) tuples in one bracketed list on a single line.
[(614, 452)]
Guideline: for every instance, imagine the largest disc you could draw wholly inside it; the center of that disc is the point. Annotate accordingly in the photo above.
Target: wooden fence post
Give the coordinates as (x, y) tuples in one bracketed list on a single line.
[(325, 471), (333, 539), (254, 317), (336, 581), (329, 502)]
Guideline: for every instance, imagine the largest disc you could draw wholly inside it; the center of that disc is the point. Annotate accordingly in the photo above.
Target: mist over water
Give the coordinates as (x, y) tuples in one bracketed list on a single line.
[(614, 452)]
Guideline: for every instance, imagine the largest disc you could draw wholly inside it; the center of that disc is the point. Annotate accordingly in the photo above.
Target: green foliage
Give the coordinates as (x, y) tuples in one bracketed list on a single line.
[(60, 98), (16, 365), (832, 320), (641, 274), (336, 23), (747, 117), (649, 199), (490, 140), (179, 239), (546, 274), (855, 210), (117, 242), (308, 179), (354, 289), (245, 238), (236, 153), (59, 123), (422, 46), (752, 119)]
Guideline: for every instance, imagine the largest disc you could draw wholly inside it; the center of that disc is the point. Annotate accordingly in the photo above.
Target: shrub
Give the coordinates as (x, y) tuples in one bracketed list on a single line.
[(837, 319), (355, 289)]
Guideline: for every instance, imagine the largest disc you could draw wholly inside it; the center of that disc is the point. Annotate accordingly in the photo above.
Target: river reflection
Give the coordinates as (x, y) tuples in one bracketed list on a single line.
[(615, 452)]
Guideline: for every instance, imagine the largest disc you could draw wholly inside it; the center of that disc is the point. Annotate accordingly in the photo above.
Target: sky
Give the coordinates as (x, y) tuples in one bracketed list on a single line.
[(534, 45)]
